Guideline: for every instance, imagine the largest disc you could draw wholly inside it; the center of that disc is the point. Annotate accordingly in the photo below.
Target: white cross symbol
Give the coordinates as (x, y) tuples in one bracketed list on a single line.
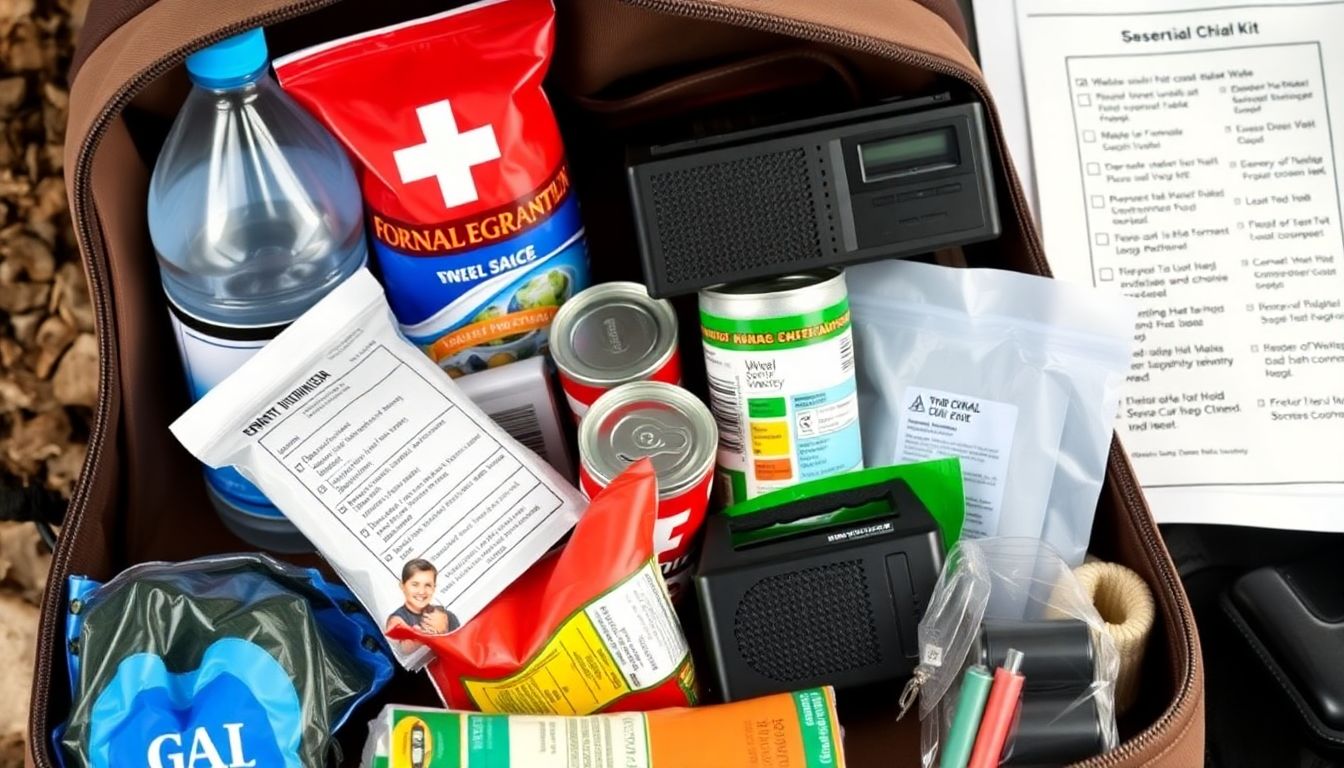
[(447, 154)]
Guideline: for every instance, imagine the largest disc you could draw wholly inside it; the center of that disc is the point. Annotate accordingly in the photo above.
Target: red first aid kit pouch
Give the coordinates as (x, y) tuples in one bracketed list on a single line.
[(587, 629), (475, 229)]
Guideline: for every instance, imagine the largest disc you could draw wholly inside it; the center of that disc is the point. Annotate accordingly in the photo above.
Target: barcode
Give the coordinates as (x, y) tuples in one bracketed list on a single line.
[(846, 353), (522, 424), (933, 655), (723, 403)]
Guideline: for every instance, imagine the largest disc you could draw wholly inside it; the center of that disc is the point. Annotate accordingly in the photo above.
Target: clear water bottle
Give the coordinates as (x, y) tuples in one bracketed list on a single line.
[(255, 214)]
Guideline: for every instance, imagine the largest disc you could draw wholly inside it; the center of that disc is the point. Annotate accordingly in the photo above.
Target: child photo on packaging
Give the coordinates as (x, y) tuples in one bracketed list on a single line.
[(419, 578)]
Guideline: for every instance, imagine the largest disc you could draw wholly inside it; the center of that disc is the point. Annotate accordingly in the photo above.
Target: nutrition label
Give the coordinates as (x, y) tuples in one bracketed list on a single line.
[(627, 640), (1195, 168), (616, 741), (784, 398)]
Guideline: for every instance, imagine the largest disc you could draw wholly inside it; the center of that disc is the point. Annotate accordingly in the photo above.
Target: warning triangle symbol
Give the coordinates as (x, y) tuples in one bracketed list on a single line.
[(918, 405)]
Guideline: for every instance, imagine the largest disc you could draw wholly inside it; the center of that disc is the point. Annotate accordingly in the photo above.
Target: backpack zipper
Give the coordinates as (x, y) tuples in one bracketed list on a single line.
[(93, 257), (1187, 696)]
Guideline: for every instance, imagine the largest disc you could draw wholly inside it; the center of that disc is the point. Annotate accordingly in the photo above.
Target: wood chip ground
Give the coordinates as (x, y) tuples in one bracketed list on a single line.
[(48, 352)]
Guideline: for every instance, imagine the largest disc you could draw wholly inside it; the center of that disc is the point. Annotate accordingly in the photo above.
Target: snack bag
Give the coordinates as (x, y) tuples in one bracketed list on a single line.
[(587, 629), (475, 227)]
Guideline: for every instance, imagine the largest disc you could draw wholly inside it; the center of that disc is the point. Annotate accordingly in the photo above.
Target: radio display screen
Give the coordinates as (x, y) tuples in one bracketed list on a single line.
[(908, 154)]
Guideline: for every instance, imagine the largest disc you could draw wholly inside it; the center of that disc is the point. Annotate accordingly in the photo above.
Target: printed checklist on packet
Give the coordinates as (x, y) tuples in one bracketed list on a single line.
[(1193, 161)]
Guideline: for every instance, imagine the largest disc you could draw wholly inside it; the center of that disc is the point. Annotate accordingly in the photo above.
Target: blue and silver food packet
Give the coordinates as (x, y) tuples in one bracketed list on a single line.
[(227, 661)]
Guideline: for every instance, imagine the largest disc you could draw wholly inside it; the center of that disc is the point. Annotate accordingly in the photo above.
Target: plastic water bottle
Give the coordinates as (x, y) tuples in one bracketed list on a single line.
[(255, 214)]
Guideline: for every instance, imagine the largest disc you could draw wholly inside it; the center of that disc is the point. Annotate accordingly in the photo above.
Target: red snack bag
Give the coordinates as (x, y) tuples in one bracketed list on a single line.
[(475, 227), (587, 629)]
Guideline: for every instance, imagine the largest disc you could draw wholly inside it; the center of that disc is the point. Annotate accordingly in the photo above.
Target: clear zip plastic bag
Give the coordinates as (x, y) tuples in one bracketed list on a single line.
[(1017, 375), (997, 594)]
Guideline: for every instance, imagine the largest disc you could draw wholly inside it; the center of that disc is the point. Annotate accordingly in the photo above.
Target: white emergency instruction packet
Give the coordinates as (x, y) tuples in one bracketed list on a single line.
[(378, 458)]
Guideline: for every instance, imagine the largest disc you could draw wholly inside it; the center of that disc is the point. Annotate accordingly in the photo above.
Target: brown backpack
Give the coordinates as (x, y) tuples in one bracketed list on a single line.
[(619, 65)]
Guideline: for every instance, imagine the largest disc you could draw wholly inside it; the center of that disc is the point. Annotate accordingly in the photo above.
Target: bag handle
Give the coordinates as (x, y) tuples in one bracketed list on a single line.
[(33, 504)]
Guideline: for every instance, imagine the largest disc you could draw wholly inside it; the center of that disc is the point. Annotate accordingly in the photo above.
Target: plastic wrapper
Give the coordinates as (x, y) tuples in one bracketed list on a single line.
[(1000, 592), (234, 660), (1017, 375), (589, 628)]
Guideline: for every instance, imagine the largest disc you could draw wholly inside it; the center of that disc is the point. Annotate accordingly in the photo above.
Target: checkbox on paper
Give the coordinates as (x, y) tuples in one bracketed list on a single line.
[(1089, 136), (1093, 169), (1103, 239), (1084, 100), (1106, 274), (1098, 201)]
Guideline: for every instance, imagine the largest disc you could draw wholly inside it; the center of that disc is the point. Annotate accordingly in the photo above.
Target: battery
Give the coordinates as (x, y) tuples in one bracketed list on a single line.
[(612, 334), (1055, 729), (676, 432), (1060, 656), (779, 363)]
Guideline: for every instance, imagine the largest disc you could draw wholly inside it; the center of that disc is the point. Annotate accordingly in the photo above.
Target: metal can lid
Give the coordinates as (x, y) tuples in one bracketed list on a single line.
[(649, 418), (613, 333), (776, 296)]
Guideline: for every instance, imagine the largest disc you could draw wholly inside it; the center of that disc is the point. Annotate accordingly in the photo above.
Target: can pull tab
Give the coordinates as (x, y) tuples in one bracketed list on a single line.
[(639, 437), (911, 691)]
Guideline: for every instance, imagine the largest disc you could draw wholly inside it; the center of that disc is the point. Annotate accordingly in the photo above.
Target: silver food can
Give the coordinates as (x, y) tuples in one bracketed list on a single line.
[(612, 334), (676, 432), (779, 360)]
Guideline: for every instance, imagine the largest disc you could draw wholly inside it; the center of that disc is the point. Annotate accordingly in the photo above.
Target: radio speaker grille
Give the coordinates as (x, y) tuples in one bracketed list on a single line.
[(743, 215), (808, 623)]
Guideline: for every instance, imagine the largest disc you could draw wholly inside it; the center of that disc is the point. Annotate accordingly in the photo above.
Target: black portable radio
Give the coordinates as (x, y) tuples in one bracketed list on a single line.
[(899, 179), (802, 594)]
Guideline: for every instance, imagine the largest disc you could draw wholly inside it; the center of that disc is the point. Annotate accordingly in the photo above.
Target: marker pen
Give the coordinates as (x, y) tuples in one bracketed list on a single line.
[(975, 686), (1002, 705)]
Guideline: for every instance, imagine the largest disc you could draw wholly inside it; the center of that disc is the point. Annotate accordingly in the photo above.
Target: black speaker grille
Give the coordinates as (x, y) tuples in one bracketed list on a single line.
[(808, 623), (745, 214)]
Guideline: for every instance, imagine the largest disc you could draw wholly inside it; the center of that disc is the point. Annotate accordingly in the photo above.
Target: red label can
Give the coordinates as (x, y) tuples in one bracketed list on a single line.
[(613, 334), (678, 434)]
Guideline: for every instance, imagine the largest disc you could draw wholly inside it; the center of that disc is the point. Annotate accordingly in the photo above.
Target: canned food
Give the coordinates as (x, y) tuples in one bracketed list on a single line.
[(677, 433), (612, 334), (779, 361)]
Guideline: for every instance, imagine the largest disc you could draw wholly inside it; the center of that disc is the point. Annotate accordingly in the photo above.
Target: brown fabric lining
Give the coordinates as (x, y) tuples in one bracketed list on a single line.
[(102, 20)]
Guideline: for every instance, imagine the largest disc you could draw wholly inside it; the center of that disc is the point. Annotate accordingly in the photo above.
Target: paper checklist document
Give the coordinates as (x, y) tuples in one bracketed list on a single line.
[(1189, 155)]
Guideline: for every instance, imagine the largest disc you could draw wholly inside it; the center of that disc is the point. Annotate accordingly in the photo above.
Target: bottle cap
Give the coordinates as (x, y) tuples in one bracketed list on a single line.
[(233, 61)]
